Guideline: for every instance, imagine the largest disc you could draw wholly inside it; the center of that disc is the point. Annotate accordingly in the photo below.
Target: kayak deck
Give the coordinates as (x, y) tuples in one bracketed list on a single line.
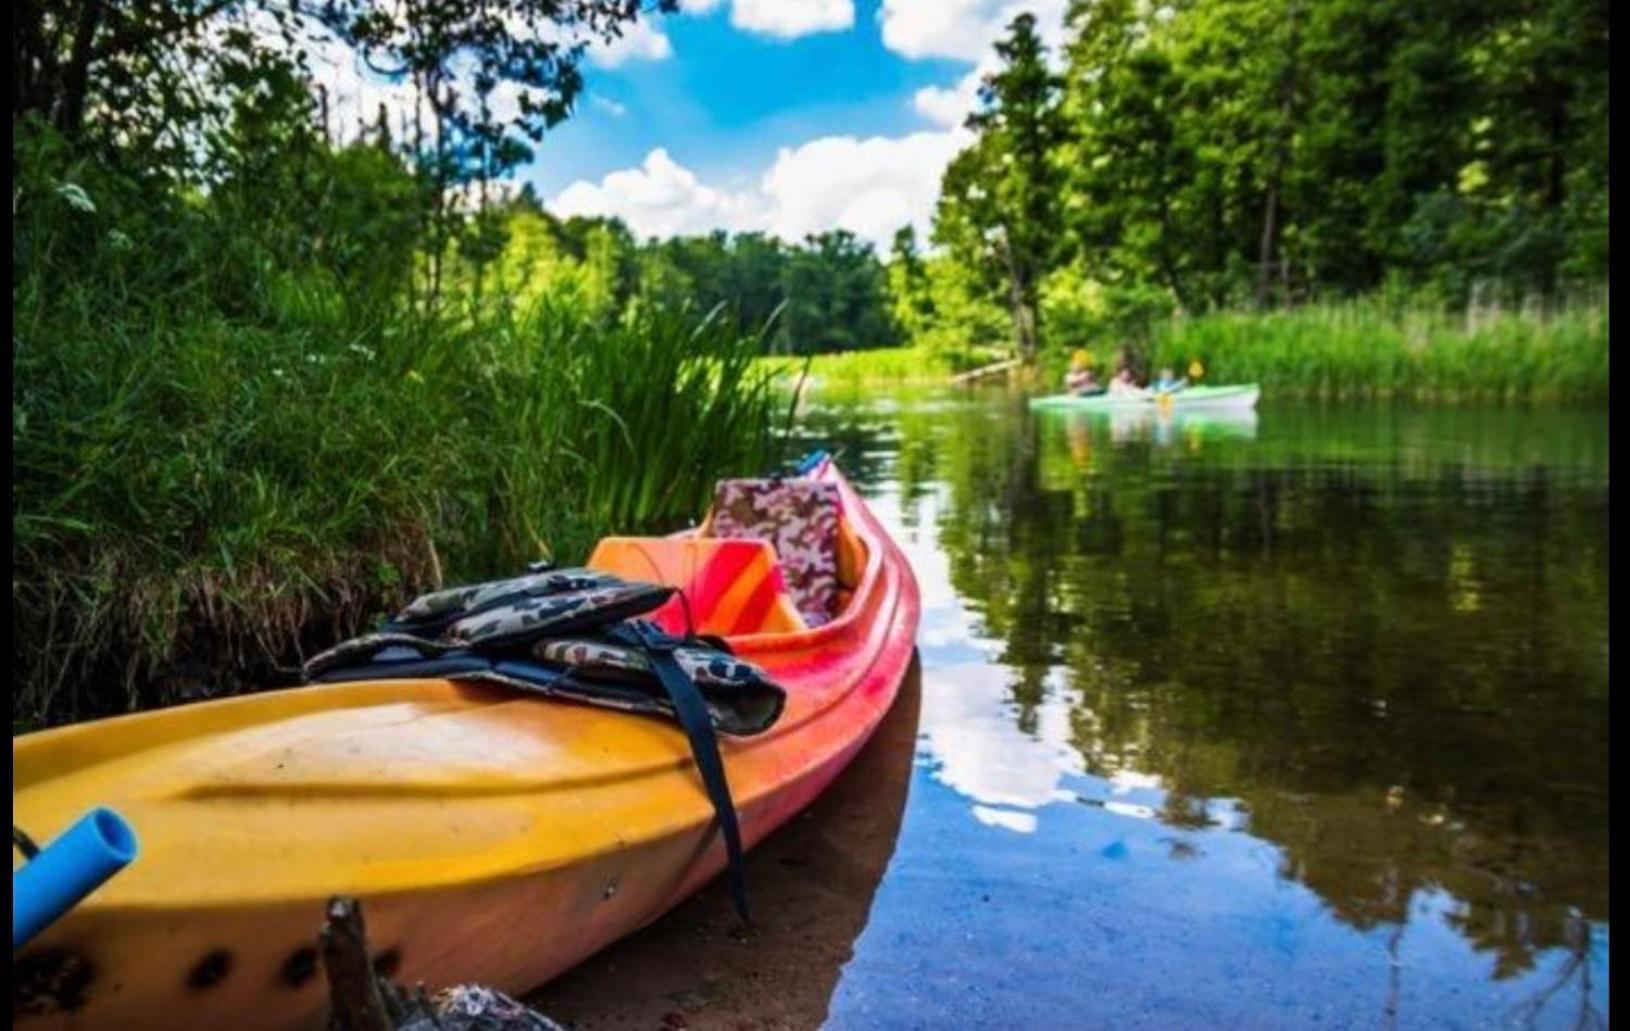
[(493, 836)]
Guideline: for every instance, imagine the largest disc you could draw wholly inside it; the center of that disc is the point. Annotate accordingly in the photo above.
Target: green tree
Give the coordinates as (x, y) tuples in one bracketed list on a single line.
[(908, 283), (149, 75), (999, 199), (837, 296)]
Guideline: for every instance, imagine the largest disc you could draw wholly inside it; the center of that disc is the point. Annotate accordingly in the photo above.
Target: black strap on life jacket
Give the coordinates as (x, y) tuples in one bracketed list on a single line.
[(704, 745)]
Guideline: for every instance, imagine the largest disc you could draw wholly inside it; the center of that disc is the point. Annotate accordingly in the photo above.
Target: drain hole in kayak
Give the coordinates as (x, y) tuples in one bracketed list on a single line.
[(387, 963), (210, 971), (299, 967)]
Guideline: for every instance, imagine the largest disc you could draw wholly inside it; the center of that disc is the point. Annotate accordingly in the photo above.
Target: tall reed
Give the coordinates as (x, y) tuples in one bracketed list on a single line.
[(206, 487), (1374, 346)]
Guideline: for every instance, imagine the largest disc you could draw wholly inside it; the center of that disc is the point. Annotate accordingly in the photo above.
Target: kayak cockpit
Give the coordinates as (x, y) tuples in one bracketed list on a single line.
[(772, 557)]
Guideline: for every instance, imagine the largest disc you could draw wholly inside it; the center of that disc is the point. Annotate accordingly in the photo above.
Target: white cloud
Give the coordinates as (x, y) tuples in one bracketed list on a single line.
[(789, 19), (949, 106), (869, 186), (641, 41), (354, 93), (609, 106), (660, 198), (963, 29), (699, 6)]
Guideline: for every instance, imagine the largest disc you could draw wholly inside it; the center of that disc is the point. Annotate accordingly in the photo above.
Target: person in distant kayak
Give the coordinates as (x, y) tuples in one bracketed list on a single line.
[(1126, 384), (1167, 383), (1079, 380)]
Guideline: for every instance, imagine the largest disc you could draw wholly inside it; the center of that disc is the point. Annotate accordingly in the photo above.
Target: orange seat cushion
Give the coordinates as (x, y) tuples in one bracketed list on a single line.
[(800, 518), (726, 587)]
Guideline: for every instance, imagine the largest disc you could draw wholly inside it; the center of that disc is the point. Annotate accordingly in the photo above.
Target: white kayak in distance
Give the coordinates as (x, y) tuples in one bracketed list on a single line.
[(1236, 397)]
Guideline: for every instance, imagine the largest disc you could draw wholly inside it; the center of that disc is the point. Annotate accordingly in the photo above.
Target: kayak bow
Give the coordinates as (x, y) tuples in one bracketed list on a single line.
[(494, 837)]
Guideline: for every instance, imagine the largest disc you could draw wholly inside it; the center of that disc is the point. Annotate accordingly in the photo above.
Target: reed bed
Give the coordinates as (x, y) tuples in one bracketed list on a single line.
[(1373, 347), (211, 480)]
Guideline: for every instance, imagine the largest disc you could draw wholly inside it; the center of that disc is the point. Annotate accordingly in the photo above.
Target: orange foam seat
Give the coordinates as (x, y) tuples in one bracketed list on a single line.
[(731, 586)]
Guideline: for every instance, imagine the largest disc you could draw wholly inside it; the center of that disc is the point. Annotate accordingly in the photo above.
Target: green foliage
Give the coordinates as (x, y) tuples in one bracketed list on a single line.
[(998, 209), (234, 438), (161, 77), (837, 297), (1302, 148), (1258, 153), (830, 293), (1373, 347), (884, 366)]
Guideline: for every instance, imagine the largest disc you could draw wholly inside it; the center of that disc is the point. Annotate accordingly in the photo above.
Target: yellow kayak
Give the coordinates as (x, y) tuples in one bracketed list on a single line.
[(493, 836)]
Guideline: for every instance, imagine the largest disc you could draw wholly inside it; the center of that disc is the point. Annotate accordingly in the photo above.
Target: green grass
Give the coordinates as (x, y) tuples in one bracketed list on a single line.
[(1372, 348), (887, 366), (223, 461)]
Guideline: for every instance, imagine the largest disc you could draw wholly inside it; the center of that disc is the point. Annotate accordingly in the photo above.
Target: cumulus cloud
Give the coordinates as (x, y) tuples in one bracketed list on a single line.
[(609, 106), (660, 198), (789, 19), (641, 41), (869, 186), (950, 106), (962, 29)]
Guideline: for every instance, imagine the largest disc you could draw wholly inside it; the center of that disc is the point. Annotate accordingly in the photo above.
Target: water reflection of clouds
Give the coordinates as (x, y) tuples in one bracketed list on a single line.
[(980, 752), (973, 744), (1007, 819), (1129, 887)]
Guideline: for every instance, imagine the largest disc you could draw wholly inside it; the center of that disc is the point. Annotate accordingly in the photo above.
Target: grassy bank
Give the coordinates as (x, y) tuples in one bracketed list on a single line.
[(1373, 348), (200, 497), (221, 464), (887, 366), (1365, 348)]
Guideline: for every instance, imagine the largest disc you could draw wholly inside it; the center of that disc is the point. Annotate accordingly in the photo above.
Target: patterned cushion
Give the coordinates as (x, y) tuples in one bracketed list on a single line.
[(800, 519)]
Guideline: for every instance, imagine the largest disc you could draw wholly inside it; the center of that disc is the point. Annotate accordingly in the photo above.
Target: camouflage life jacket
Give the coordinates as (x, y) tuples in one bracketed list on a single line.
[(740, 698), (546, 632)]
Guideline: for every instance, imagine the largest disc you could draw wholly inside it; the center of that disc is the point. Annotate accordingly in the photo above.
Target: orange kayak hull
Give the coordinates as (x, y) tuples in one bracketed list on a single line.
[(493, 837)]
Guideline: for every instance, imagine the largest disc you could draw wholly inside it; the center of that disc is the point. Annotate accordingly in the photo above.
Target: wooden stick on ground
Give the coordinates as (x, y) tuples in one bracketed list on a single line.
[(360, 998), (356, 1002)]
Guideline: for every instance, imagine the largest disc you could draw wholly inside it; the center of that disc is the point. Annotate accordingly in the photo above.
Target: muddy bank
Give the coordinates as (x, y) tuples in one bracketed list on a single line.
[(811, 887)]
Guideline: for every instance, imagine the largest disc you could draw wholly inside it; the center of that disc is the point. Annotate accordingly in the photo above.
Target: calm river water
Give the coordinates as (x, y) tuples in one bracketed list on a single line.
[(1297, 720)]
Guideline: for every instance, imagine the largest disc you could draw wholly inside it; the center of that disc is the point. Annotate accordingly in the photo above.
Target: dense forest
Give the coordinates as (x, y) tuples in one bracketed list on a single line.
[(1206, 157), (1220, 154), (830, 292)]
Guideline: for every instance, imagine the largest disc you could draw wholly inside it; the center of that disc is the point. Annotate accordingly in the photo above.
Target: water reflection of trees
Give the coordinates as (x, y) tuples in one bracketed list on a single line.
[(1395, 657)]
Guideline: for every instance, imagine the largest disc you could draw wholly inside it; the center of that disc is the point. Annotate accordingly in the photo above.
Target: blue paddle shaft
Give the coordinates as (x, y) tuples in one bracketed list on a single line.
[(71, 867)]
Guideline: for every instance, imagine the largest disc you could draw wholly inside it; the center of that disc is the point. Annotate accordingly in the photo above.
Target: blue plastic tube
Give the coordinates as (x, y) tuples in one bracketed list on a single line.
[(71, 867)]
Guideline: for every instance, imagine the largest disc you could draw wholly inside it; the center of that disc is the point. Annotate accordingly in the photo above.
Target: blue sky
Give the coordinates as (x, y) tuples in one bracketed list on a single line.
[(725, 99), (787, 116)]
